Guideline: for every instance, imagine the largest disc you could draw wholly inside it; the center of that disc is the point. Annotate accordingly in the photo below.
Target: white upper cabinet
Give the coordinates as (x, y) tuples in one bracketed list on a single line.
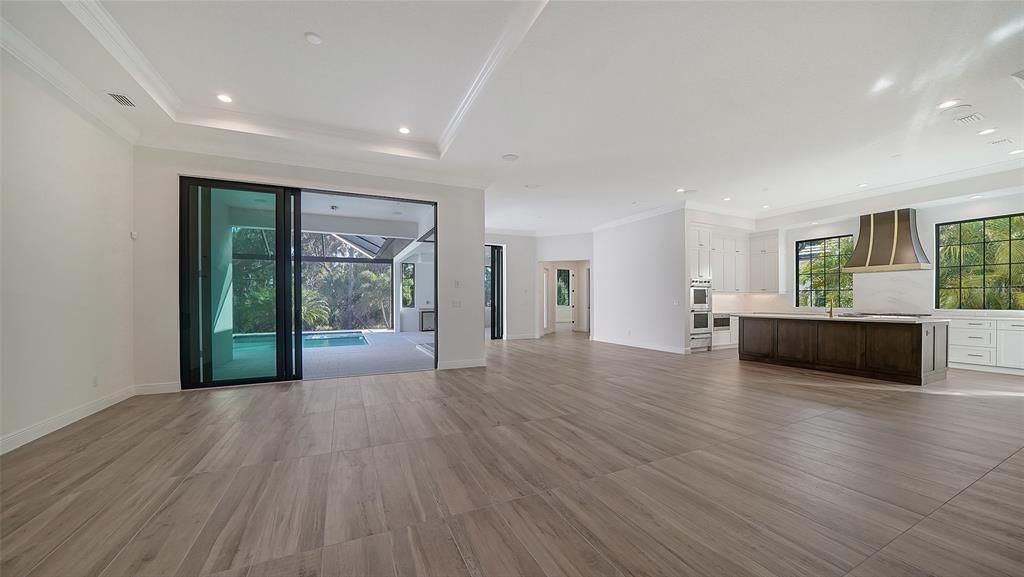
[(764, 263), (733, 260)]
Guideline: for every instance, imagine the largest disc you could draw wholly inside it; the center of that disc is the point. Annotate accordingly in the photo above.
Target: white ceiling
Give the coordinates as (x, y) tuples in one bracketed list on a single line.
[(610, 106), (363, 207)]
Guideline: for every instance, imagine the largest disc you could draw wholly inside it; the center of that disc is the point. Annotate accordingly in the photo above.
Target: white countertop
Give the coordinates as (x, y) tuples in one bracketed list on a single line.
[(825, 317)]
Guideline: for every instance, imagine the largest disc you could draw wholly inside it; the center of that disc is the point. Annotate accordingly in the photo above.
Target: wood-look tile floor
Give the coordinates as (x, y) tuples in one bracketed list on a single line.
[(563, 457)]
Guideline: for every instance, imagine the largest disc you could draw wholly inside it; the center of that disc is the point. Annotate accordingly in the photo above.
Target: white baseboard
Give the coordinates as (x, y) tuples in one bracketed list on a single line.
[(158, 388), (987, 369), (520, 337), (464, 364), (650, 346), (12, 441)]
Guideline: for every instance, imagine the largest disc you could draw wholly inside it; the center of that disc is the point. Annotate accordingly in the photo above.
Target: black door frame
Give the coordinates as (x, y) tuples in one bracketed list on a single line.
[(288, 217), (497, 291), (193, 290)]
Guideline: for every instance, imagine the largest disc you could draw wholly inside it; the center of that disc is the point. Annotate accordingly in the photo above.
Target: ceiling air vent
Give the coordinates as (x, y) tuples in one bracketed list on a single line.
[(1001, 141), (121, 99), (969, 119)]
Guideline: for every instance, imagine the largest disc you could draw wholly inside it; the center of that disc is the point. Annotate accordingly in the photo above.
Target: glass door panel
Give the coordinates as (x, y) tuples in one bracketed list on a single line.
[(236, 297)]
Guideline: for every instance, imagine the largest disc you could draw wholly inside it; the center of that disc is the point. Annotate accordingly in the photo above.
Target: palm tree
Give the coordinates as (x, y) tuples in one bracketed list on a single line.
[(375, 293), (981, 264)]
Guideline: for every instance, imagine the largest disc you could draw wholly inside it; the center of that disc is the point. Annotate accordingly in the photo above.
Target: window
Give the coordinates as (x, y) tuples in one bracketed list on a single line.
[(488, 282), (819, 280), (981, 264), (562, 287), (408, 285)]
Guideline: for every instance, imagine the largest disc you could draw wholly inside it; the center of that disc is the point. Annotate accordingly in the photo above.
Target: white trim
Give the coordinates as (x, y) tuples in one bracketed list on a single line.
[(520, 337), (95, 18), (464, 364), (641, 216), (157, 388), (512, 35), (30, 433), (988, 369), (648, 346), (20, 47)]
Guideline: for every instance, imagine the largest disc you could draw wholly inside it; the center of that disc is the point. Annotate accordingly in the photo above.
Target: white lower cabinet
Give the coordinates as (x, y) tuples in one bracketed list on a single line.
[(1010, 344), (992, 342)]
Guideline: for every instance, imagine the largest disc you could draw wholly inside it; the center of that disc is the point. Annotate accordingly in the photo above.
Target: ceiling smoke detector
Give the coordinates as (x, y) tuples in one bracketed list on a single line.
[(121, 99)]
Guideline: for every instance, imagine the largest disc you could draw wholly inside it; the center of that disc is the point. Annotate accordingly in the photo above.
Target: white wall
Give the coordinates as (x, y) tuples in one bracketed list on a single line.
[(460, 236), (565, 247), (639, 277), (423, 257), (521, 299), (67, 260), (904, 291)]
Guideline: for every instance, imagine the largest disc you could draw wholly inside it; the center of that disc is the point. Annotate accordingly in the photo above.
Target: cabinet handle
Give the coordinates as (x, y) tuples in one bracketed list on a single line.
[(972, 355), (979, 338), (974, 324), (1022, 326)]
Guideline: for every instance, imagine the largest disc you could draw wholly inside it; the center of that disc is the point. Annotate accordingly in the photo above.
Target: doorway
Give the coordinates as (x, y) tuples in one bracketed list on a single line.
[(494, 290), (279, 283)]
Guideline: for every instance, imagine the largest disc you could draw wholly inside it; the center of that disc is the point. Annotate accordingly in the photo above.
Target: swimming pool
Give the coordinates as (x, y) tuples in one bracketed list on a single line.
[(256, 343)]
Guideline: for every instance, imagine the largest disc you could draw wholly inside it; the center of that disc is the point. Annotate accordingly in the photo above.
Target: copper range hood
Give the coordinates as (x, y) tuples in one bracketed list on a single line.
[(888, 242)]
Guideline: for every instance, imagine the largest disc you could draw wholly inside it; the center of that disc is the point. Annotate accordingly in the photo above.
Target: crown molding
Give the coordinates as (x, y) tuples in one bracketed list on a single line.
[(95, 18), (512, 35), (105, 29), (19, 46), (673, 207)]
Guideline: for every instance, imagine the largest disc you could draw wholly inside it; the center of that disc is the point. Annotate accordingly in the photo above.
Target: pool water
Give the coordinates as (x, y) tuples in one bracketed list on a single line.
[(333, 340), (268, 343)]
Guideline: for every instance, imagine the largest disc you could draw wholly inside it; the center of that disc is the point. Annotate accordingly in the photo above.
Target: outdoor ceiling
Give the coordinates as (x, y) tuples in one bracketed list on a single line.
[(610, 106)]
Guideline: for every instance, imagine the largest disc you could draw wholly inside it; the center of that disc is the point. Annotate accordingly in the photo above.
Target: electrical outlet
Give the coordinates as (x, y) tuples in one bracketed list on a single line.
[(456, 304)]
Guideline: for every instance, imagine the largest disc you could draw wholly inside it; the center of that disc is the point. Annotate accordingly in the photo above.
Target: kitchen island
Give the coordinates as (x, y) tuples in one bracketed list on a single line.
[(912, 350)]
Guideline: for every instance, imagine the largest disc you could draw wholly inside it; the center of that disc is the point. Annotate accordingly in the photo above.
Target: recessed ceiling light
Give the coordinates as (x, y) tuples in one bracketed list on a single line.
[(404, 129), (974, 196), (1018, 151), (765, 206), (986, 132), (313, 38), (862, 185), (727, 199), (815, 222), (680, 190), (948, 104), (510, 157), (225, 98)]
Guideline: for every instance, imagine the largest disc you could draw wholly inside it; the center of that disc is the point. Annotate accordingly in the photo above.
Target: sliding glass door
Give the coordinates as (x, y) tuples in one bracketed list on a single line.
[(239, 283)]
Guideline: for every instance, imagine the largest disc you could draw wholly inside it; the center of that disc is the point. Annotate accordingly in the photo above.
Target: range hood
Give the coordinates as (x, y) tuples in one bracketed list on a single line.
[(888, 242)]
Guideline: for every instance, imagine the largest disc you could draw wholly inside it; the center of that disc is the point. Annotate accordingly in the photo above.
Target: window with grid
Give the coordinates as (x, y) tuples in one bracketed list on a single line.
[(981, 264), (819, 280)]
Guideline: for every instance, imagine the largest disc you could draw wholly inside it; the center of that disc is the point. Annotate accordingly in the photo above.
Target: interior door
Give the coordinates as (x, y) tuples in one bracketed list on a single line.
[(239, 291)]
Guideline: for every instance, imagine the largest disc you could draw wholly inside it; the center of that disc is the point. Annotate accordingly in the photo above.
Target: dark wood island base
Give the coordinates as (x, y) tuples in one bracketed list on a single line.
[(912, 352)]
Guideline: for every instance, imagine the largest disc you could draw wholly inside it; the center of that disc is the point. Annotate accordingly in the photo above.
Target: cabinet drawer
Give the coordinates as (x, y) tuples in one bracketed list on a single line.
[(972, 324), (1011, 325), (972, 338), (971, 355)]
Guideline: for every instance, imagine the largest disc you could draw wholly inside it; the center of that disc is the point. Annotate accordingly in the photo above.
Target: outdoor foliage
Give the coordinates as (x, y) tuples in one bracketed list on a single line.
[(981, 264), (488, 281), (562, 288), (408, 284), (819, 280), (335, 296)]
